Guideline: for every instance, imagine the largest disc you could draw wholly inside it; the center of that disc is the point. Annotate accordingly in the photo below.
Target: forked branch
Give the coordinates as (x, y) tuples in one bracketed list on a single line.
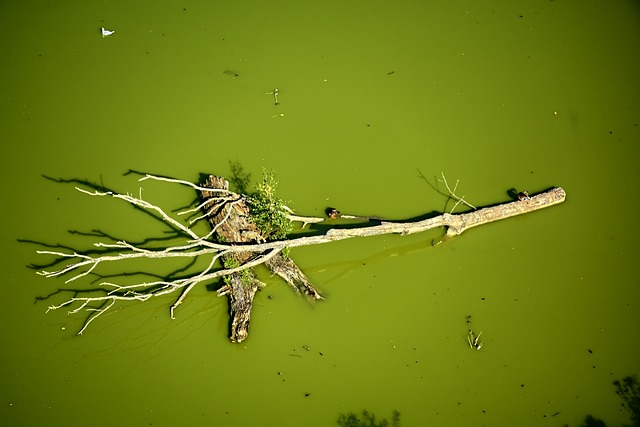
[(223, 209)]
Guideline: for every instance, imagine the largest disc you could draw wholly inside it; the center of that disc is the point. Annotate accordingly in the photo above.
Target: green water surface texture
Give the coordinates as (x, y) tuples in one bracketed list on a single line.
[(499, 94)]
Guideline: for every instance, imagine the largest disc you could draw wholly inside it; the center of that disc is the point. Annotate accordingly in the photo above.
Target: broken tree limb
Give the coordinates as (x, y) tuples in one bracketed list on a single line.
[(233, 225), (230, 221), (455, 224), (462, 222), (234, 239)]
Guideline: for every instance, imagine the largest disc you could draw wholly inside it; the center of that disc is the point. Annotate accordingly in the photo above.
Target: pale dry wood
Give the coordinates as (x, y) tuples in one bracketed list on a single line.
[(229, 216), (455, 224)]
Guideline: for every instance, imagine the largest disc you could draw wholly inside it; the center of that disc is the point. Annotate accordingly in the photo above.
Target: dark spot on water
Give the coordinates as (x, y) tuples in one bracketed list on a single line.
[(307, 394), (590, 351)]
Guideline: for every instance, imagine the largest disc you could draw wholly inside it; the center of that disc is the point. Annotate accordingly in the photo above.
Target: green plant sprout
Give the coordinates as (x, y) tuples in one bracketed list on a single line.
[(268, 211)]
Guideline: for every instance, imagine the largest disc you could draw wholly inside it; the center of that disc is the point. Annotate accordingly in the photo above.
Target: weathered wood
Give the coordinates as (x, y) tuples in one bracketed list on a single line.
[(236, 240), (230, 218), (291, 273), (455, 224)]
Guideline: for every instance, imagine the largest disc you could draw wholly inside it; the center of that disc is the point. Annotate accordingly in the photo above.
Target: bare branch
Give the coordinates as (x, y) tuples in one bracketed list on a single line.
[(452, 194), (143, 204), (97, 312), (83, 264), (187, 183), (291, 216)]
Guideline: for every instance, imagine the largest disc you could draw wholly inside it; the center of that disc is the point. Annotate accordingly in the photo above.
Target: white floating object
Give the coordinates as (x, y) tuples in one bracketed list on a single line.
[(106, 32)]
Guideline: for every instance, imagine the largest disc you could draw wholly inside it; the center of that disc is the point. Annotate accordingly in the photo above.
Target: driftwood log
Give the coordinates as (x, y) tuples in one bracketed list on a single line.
[(232, 224), (238, 242)]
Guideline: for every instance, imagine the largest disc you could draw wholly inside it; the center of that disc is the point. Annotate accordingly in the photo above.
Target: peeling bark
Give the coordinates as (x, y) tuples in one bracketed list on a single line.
[(232, 223)]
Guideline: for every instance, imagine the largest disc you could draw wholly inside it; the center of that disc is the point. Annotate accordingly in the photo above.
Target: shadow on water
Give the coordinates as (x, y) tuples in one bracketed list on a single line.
[(110, 247), (239, 179), (367, 419), (591, 421), (79, 258), (628, 389)]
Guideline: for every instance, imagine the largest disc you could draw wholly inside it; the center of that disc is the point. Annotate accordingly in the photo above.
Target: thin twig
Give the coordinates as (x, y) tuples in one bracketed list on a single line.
[(143, 204), (187, 183), (452, 193)]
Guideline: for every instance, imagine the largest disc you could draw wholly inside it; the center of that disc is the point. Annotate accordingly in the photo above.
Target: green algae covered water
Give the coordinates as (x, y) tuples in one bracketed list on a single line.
[(372, 95)]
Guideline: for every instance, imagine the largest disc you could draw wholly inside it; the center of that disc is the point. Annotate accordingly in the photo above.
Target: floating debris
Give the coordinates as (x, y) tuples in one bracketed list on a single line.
[(105, 32), (275, 93), (231, 73), (472, 338)]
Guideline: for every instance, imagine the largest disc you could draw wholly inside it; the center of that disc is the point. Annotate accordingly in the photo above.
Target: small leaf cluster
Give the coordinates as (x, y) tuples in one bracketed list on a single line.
[(268, 211), (230, 262)]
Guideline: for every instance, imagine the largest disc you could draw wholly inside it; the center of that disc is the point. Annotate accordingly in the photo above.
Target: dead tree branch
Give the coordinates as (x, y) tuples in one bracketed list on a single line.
[(234, 246)]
